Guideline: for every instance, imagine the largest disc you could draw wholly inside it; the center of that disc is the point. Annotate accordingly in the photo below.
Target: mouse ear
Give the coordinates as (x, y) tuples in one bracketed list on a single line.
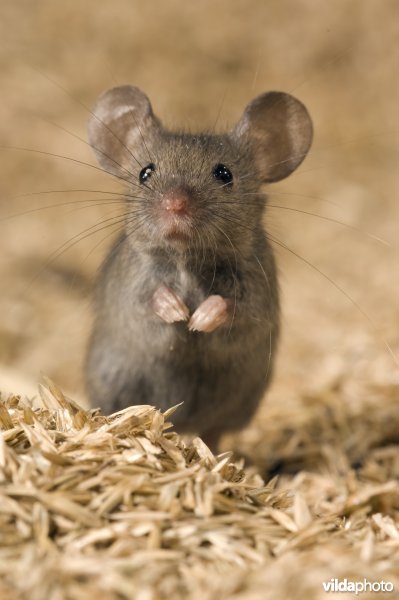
[(279, 129), (118, 126)]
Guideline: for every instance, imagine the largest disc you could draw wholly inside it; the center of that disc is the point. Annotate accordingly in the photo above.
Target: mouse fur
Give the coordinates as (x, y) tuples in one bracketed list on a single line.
[(187, 300)]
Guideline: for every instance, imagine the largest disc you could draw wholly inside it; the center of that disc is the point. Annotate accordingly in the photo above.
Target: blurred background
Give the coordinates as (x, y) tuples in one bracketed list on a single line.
[(340, 284)]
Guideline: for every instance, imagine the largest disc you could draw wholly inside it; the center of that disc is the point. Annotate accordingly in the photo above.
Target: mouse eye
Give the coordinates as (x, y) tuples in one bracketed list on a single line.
[(223, 174), (146, 173)]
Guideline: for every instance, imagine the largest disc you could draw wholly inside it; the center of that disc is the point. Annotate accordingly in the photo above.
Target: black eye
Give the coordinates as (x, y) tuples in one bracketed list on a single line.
[(146, 173), (223, 174)]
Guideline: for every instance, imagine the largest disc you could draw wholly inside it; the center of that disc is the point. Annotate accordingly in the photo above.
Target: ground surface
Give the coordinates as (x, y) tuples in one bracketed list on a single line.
[(122, 508), (336, 386)]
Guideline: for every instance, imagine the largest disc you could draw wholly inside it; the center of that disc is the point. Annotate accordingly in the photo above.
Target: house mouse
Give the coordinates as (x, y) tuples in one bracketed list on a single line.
[(187, 301)]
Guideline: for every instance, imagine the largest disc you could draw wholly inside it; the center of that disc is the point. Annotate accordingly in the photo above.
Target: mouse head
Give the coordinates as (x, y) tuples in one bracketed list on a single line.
[(186, 184)]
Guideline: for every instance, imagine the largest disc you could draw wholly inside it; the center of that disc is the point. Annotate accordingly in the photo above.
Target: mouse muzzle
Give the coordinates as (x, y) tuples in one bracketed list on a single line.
[(176, 215), (176, 202)]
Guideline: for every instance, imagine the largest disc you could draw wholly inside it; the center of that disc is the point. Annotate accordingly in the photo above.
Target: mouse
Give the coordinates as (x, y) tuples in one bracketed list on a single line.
[(186, 307)]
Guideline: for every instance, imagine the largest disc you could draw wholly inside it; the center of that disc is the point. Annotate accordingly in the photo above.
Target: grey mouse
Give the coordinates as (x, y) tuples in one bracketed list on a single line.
[(187, 301)]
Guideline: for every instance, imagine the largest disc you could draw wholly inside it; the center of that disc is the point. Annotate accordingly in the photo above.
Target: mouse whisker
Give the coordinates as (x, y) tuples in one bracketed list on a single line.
[(67, 158), (117, 196), (213, 128), (80, 139), (362, 232), (271, 194), (230, 218), (157, 162), (111, 233), (331, 220), (366, 316), (264, 275), (85, 233), (213, 246), (87, 204), (68, 191), (103, 239), (237, 222), (232, 274), (87, 109), (204, 254), (117, 207), (282, 195)]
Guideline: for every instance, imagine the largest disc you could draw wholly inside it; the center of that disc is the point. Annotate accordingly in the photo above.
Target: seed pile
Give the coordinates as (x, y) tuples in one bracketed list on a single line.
[(121, 507)]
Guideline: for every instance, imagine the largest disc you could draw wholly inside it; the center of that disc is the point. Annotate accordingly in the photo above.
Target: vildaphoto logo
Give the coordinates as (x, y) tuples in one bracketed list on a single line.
[(358, 587)]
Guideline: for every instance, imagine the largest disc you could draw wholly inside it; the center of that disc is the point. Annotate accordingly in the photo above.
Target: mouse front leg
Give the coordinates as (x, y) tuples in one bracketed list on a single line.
[(211, 314), (167, 305)]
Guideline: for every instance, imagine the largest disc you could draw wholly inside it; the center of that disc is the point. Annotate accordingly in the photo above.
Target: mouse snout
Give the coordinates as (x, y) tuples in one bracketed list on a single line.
[(175, 202), (176, 215)]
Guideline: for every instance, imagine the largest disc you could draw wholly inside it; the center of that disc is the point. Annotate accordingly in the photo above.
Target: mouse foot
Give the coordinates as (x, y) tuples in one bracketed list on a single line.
[(211, 314), (168, 306)]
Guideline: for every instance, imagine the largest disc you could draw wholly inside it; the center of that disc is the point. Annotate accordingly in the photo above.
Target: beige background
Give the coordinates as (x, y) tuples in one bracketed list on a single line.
[(340, 58)]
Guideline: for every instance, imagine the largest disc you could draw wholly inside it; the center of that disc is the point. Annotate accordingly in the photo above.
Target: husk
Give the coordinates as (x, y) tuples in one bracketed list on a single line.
[(122, 507)]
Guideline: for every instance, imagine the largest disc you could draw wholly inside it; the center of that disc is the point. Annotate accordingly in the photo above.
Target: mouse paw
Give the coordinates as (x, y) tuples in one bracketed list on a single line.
[(212, 313), (168, 306)]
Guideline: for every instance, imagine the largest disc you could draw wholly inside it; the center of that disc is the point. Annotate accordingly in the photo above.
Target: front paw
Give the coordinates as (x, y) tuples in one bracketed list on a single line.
[(167, 305), (211, 314)]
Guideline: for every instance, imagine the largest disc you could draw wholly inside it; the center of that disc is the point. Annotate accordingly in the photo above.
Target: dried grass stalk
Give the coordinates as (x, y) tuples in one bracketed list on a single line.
[(122, 507)]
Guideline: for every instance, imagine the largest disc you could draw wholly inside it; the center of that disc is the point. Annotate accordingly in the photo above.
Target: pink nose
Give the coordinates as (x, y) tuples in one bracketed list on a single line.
[(176, 202)]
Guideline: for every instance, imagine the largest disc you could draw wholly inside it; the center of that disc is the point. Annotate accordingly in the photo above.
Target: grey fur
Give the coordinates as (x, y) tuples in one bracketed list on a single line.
[(136, 358)]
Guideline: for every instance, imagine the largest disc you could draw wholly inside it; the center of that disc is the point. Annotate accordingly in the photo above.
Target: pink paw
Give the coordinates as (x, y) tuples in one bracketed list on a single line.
[(168, 306), (212, 313)]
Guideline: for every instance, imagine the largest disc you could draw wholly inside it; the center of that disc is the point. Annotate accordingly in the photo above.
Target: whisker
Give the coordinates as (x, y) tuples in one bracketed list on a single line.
[(331, 220), (362, 232), (68, 93), (269, 362), (340, 289), (233, 276), (316, 151), (322, 68), (256, 73), (323, 217), (77, 137), (68, 158), (272, 193), (67, 191), (87, 232), (131, 114), (124, 195), (333, 283), (110, 221), (111, 233), (89, 202), (213, 128), (138, 222)]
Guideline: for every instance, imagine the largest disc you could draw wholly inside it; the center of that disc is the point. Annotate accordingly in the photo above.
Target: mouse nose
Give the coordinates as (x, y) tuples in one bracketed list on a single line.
[(175, 202)]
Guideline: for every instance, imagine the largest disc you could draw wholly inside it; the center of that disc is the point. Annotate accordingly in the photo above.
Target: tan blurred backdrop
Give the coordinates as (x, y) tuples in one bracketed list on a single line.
[(340, 58)]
